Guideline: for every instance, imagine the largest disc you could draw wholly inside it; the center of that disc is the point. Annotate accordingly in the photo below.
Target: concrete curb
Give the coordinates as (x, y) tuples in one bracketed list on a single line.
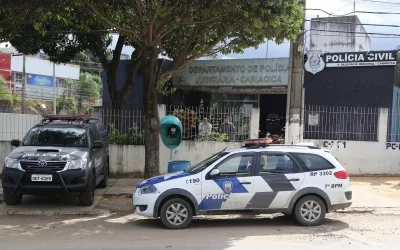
[(52, 213)]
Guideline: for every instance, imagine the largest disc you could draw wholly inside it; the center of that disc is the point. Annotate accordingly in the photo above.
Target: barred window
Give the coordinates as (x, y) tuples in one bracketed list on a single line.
[(18, 78)]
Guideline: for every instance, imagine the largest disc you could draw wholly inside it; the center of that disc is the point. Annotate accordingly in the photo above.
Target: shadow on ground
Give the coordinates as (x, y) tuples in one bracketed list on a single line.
[(279, 224)]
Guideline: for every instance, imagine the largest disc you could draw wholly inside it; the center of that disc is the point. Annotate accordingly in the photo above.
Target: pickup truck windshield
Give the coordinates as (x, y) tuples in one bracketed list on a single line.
[(58, 137)]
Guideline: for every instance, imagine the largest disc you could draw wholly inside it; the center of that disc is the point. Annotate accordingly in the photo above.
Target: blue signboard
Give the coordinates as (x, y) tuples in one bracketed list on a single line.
[(40, 80)]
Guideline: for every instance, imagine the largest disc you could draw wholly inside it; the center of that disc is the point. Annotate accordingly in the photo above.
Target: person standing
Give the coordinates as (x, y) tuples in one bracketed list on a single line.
[(228, 128), (205, 127)]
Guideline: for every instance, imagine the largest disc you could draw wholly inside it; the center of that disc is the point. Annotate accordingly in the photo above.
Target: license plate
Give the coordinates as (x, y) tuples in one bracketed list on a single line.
[(41, 177)]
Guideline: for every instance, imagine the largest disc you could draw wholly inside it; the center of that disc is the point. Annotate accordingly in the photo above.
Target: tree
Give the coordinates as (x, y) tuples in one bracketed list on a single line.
[(185, 30), (64, 102), (79, 92), (88, 62), (5, 93)]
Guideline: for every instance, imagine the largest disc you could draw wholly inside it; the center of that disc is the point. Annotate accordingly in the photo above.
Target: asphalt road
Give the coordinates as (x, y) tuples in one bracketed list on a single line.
[(344, 231)]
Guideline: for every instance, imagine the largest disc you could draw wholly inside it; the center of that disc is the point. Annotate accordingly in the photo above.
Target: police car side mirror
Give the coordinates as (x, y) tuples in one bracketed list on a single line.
[(214, 173)]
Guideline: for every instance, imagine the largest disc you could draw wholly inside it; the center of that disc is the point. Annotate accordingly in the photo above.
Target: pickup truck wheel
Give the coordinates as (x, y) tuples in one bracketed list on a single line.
[(12, 197), (106, 171), (176, 213), (310, 211), (86, 198)]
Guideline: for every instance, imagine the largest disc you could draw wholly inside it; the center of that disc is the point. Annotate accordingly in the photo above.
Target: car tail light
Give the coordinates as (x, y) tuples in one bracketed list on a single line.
[(341, 175)]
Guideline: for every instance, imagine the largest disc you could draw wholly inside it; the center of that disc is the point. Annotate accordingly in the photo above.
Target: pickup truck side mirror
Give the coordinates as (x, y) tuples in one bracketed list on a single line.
[(214, 173), (15, 143), (98, 144)]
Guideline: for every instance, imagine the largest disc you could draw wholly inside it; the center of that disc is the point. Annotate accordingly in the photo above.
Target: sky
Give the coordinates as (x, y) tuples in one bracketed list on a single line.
[(336, 7)]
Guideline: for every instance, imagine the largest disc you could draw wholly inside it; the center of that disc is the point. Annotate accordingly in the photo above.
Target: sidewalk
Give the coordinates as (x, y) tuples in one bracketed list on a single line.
[(114, 198)]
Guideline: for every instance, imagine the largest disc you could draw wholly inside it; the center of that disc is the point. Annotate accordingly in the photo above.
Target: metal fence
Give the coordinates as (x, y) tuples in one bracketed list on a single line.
[(393, 128), (341, 123), (213, 123), (125, 127)]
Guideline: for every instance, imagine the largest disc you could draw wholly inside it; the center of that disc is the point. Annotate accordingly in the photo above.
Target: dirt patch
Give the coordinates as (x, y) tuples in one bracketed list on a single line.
[(376, 191), (116, 203)]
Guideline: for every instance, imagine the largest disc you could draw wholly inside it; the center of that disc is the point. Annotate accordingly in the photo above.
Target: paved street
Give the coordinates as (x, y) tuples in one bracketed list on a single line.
[(373, 222), (342, 230)]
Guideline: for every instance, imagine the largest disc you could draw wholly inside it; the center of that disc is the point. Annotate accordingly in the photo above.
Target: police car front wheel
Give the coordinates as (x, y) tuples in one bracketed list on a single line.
[(176, 213)]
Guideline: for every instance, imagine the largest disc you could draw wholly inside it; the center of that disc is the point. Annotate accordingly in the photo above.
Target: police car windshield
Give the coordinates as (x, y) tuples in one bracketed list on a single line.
[(57, 137), (207, 162)]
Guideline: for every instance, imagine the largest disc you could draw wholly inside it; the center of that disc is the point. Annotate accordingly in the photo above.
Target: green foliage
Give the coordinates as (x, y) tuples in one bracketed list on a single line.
[(66, 103), (134, 136), (88, 86), (214, 136), (7, 95), (88, 62), (76, 97)]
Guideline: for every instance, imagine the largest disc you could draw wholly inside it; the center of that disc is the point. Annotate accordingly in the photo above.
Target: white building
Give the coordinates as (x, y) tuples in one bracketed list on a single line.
[(40, 76), (339, 34)]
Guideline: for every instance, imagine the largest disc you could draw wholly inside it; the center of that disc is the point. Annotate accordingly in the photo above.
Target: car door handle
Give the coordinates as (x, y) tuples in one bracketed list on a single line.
[(245, 183), (293, 179)]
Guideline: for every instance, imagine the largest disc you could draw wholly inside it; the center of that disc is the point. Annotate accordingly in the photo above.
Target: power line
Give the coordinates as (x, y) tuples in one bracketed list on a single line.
[(358, 11), (352, 23), (378, 2), (355, 32)]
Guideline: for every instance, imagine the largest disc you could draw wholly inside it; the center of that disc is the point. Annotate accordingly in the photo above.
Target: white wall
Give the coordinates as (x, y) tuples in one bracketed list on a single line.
[(352, 38), (363, 158), (15, 126), (130, 159), (5, 150), (44, 67)]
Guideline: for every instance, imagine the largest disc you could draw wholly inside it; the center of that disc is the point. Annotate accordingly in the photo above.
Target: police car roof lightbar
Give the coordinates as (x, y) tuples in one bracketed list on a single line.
[(258, 143)]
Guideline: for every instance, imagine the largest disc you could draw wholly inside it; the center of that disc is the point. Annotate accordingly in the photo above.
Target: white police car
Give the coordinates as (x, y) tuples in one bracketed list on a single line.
[(304, 181)]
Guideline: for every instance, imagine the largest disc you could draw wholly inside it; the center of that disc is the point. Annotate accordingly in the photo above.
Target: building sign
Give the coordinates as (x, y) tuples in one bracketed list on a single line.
[(234, 73), (317, 61), (313, 119), (40, 80)]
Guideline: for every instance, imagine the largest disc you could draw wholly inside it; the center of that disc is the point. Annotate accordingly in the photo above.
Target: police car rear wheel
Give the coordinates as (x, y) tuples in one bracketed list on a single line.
[(310, 211), (176, 213)]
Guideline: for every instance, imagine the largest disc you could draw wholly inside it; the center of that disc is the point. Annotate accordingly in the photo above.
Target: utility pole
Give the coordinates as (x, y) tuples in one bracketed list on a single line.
[(23, 85), (54, 89), (354, 7), (294, 118)]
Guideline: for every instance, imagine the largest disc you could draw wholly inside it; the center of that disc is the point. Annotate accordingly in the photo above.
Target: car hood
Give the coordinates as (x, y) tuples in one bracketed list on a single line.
[(47, 153), (163, 178)]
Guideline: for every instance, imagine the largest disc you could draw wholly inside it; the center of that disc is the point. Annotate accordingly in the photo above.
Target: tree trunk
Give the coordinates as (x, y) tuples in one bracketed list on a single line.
[(152, 120)]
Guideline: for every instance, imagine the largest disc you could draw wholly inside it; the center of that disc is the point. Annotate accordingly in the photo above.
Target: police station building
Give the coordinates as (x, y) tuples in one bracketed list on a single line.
[(343, 92)]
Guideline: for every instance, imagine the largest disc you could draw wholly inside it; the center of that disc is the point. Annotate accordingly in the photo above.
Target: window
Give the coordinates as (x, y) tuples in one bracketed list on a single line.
[(49, 136), (237, 164), (62, 83), (276, 163), (18, 78), (206, 163), (313, 162)]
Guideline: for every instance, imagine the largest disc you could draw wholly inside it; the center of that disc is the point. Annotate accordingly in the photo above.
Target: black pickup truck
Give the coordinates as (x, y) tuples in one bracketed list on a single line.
[(62, 154)]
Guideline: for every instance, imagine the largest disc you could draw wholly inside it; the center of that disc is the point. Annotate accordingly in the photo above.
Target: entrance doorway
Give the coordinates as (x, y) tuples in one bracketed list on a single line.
[(272, 114)]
